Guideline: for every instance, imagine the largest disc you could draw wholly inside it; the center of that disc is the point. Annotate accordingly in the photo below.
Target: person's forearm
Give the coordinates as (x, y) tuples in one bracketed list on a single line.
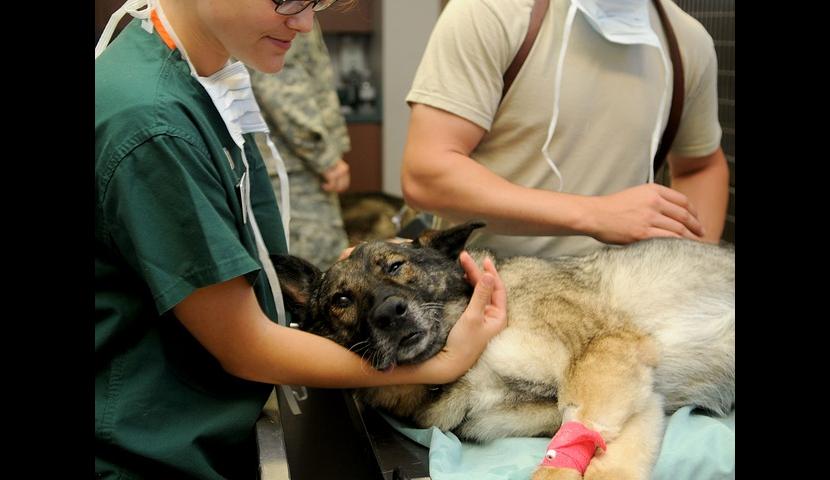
[(462, 189), (227, 320), (281, 355), (708, 190)]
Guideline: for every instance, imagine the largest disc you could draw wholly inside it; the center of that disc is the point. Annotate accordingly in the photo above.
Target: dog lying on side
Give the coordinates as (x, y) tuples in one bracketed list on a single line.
[(611, 340)]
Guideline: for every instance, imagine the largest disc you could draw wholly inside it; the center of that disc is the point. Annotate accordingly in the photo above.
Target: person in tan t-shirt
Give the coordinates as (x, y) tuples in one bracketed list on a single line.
[(472, 155)]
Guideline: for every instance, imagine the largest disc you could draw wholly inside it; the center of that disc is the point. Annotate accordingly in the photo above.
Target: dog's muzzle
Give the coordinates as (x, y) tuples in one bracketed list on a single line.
[(389, 315), (395, 330)]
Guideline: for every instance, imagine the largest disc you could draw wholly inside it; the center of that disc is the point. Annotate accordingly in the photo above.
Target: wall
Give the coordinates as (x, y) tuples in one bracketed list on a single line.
[(405, 29), (718, 17)]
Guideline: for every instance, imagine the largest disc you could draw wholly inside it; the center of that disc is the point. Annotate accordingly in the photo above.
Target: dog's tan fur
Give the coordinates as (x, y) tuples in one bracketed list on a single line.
[(610, 340)]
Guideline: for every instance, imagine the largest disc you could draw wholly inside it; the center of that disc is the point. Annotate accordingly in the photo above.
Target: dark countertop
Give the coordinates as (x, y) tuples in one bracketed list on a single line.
[(333, 437)]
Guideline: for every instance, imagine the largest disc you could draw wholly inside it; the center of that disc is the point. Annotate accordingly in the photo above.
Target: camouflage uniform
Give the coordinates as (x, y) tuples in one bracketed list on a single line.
[(302, 110)]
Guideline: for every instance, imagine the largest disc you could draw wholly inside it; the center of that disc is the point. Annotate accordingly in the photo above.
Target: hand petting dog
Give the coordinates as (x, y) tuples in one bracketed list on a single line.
[(485, 316)]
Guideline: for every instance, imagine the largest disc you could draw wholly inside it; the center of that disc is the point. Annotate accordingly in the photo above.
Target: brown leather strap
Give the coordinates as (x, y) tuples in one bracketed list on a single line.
[(537, 14), (676, 110)]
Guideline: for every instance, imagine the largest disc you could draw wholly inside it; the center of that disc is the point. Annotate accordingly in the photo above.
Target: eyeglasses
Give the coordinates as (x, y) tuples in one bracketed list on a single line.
[(293, 7)]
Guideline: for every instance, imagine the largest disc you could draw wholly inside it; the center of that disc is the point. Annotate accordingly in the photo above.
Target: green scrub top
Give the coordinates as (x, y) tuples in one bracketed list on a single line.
[(168, 220)]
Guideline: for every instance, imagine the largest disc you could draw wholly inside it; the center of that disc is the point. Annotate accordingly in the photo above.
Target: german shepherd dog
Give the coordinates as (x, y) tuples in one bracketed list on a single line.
[(611, 340)]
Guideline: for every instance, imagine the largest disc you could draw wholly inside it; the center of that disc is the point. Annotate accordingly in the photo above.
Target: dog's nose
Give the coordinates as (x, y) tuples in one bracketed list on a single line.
[(388, 314)]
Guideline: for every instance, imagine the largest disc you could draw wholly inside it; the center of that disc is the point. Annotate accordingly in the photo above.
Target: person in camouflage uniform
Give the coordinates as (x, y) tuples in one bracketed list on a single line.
[(302, 110)]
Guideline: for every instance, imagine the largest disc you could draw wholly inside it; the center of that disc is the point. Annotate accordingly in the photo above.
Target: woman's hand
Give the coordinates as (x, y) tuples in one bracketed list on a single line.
[(485, 316)]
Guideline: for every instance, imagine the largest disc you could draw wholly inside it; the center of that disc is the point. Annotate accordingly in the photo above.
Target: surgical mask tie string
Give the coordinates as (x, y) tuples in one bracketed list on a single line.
[(624, 22), (557, 88), (133, 8)]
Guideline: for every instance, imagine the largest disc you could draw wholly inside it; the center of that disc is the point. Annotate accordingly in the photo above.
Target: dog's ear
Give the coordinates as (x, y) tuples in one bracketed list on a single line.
[(450, 241), (296, 277)]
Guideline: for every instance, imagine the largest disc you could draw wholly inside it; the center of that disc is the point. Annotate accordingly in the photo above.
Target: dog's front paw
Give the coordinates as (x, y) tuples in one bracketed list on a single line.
[(554, 473)]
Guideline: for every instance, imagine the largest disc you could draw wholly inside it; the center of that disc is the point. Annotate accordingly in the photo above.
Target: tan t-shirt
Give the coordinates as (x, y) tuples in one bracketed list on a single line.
[(608, 107)]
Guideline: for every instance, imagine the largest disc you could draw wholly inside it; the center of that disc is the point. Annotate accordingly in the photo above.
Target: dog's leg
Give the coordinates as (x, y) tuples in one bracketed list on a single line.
[(556, 474), (609, 389), (518, 419), (633, 453)]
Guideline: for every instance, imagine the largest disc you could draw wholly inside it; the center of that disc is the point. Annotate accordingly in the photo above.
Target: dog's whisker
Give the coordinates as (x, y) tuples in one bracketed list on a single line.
[(367, 360), (359, 345), (432, 304), (374, 358)]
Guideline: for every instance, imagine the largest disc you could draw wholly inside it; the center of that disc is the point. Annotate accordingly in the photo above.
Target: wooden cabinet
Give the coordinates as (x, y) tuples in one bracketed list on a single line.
[(359, 21), (364, 158)]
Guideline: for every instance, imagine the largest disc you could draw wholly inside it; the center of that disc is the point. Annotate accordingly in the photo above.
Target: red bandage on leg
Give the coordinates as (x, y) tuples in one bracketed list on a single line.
[(573, 447)]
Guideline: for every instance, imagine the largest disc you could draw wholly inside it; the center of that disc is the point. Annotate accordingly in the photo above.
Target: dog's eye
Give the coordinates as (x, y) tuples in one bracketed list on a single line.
[(393, 268), (341, 300)]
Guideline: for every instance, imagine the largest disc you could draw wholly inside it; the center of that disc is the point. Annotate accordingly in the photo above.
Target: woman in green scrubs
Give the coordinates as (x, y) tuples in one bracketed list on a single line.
[(187, 344)]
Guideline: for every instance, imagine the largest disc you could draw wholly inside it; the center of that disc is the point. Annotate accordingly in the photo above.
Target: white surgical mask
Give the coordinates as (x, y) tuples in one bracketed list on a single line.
[(230, 90), (231, 93), (624, 22), (620, 21)]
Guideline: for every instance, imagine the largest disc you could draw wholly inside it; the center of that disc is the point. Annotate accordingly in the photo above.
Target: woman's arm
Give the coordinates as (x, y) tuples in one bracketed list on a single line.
[(227, 320)]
